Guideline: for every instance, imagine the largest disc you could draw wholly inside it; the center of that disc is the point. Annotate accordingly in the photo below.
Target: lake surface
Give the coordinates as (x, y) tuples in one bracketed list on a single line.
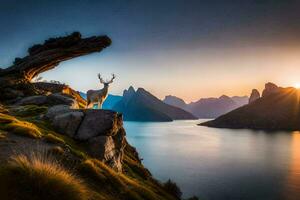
[(219, 164)]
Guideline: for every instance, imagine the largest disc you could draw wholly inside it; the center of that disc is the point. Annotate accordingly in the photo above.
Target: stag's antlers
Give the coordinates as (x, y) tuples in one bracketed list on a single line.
[(112, 79), (101, 80), (107, 82)]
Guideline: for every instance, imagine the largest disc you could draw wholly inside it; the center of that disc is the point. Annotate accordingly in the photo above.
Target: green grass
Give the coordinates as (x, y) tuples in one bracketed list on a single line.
[(51, 138), (39, 177), (24, 128), (28, 110)]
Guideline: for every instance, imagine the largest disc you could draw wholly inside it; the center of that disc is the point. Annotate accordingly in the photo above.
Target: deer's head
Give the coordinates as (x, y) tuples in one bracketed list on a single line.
[(106, 83)]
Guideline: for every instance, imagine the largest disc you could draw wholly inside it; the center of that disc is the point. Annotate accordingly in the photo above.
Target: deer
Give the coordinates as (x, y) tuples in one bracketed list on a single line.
[(98, 96)]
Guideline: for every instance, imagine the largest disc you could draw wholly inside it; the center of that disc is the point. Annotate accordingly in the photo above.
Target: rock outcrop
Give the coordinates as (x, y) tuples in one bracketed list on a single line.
[(254, 95), (101, 130), (15, 80), (270, 88), (46, 87)]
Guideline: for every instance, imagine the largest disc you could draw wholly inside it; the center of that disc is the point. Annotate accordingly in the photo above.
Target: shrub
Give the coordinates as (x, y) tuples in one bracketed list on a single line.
[(172, 188), (39, 177)]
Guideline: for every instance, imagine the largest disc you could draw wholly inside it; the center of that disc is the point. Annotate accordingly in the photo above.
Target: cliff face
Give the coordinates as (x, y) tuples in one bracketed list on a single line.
[(100, 130)]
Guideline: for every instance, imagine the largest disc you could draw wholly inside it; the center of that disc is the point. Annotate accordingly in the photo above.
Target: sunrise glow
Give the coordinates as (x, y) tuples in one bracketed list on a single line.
[(297, 85)]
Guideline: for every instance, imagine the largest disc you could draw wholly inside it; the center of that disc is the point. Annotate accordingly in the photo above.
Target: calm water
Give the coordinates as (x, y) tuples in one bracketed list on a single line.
[(220, 163)]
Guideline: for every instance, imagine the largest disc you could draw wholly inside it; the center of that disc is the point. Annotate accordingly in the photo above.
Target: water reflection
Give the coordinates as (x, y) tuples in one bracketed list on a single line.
[(293, 178), (220, 163)]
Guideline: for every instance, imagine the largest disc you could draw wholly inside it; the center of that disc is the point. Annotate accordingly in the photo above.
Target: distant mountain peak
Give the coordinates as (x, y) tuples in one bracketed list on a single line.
[(254, 95), (224, 97), (269, 89), (144, 106), (128, 94), (131, 89), (175, 101)]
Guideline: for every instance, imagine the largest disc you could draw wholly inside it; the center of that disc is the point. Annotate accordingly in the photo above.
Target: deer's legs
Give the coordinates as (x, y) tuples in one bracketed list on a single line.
[(87, 104)]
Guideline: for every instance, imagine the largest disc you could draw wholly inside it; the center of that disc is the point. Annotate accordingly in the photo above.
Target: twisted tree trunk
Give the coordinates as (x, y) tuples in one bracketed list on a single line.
[(15, 80)]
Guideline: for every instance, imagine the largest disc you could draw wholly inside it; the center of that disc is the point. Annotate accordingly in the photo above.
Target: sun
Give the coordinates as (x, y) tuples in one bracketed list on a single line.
[(297, 85)]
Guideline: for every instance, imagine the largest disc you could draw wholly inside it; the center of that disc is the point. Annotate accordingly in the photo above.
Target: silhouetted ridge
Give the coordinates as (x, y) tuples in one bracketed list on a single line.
[(277, 109)]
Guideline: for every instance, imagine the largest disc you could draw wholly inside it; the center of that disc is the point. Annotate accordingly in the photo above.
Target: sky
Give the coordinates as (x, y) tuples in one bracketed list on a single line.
[(187, 48)]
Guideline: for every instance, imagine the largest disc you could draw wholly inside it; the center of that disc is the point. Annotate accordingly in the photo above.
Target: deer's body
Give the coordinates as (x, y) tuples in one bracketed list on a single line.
[(98, 96)]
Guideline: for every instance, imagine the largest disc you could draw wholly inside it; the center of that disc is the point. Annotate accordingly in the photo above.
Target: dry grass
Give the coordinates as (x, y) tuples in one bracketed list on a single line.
[(39, 177), (2, 135), (117, 183), (56, 151)]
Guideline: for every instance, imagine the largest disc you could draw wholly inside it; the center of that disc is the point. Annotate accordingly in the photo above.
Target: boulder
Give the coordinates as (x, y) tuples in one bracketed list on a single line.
[(57, 110), (98, 123), (52, 99), (270, 88), (55, 99), (68, 123), (254, 95), (33, 100)]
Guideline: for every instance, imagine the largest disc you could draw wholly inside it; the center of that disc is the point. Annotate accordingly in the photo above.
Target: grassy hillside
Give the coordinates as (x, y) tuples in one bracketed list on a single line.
[(38, 163)]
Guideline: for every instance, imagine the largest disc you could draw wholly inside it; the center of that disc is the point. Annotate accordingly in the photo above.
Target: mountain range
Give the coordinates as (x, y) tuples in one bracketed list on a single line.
[(208, 107), (141, 105), (277, 109)]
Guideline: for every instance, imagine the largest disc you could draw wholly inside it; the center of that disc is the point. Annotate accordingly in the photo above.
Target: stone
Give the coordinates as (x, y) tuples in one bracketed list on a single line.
[(33, 100), (104, 149), (55, 99), (100, 132), (52, 99), (254, 95), (98, 123), (68, 123), (57, 110), (269, 89)]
